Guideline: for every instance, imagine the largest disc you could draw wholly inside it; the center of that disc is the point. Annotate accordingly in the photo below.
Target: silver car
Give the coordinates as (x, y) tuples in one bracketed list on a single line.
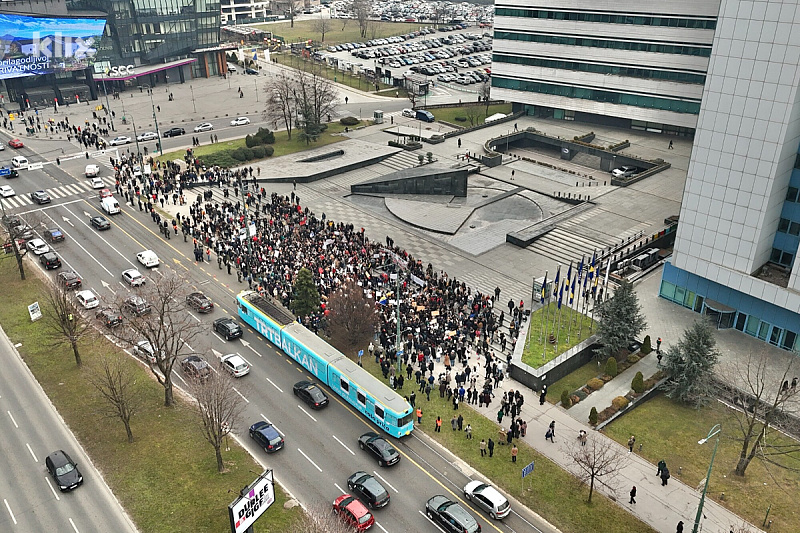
[(487, 498)]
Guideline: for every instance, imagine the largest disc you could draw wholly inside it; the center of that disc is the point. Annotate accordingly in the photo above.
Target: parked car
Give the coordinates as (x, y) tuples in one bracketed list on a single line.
[(624, 172), (450, 516), (353, 512), (108, 317), (53, 235), (69, 280), (50, 260), (266, 436), (144, 350), (487, 498), (368, 489), (196, 367), (64, 470), (136, 305), (38, 246), (87, 299), (235, 364)]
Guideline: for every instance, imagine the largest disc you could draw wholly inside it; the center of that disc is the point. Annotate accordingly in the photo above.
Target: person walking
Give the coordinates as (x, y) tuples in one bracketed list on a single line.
[(549, 435), (664, 476), (482, 446), (468, 431), (670, 145), (679, 529), (543, 395), (631, 442), (661, 466), (438, 424), (582, 437), (491, 447), (412, 399), (428, 391), (514, 452), (500, 414), (633, 495), (552, 427)]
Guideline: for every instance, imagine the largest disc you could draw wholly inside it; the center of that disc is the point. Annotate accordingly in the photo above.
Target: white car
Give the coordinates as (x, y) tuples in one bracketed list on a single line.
[(97, 183), (205, 126), (116, 141), (2, 147), (37, 246), (148, 258), (487, 498), (92, 171), (409, 113), (19, 162), (144, 350), (7, 191), (133, 277), (87, 299), (147, 136), (235, 364), (240, 121)]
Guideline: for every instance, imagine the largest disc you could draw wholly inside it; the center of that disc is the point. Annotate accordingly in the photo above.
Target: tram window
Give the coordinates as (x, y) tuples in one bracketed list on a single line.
[(379, 412), (361, 398), (344, 385), (405, 420)]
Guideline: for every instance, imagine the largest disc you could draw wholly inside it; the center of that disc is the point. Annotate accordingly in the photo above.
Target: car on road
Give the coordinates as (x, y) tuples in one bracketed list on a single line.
[(231, 68), (353, 512), (2, 147), (235, 364), (97, 183), (64, 470), (40, 197), (69, 280), (311, 394), (199, 302), (120, 140), (205, 126), (409, 113), (136, 305), (108, 317), (54, 235), (379, 448), (147, 136), (50, 260), (266, 436), (15, 143), (487, 498), (368, 490), (240, 121), (7, 191), (148, 258), (92, 171), (100, 222), (228, 328), (133, 277), (450, 516), (624, 172), (196, 367), (87, 299), (251, 71), (38, 246), (105, 193), (144, 350), (10, 172), (174, 132)]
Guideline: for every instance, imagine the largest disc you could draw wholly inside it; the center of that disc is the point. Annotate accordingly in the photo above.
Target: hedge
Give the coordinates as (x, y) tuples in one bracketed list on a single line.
[(619, 403), (348, 121), (638, 383), (566, 403), (611, 367), (595, 384)]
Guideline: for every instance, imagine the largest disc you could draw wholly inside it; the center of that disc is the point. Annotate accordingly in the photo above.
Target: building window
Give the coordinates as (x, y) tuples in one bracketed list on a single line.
[(781, 257), (783, 225), (753, 324), (668, 290), (775, 335), (741, 319), (789, 339), (794, 229), (791, 192), (638, 46), (607, 18)]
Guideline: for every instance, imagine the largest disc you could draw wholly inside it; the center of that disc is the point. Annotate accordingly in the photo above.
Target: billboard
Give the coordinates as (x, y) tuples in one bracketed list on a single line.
[(30, 46), (252, 503)]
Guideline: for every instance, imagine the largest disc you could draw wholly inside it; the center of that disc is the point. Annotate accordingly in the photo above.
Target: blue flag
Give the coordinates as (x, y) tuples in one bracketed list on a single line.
[(555, 281), (572, 292), (544, 286), (580, 269), (560, 295), (569, 273)]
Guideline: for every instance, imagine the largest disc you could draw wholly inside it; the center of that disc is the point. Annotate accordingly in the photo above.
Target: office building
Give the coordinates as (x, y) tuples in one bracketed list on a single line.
[(244, 11)]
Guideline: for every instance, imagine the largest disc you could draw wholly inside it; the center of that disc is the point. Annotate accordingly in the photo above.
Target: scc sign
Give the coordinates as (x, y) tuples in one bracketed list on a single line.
[(120, 71)]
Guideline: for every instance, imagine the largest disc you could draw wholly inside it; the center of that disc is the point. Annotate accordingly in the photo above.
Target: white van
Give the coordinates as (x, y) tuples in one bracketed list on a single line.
[(409, 113), (92, 171), (110, 205), (19, 162)]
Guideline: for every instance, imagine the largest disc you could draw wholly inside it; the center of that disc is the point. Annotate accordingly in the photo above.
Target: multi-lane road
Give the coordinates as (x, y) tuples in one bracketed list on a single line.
[(321, 446)]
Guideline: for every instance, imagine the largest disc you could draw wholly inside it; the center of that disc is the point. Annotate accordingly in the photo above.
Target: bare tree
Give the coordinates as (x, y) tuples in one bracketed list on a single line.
[(63, 319), (280, 101), (411, 94), (598, 459), (316, 98), (293, 7), (766, 400), (439, 13), (362, 10), (219, 409), (115, 380), (318, 518), (375, 28), (17, 232), (352, 317), (473, 114), (322, 25), (168, 327), (485, 93)]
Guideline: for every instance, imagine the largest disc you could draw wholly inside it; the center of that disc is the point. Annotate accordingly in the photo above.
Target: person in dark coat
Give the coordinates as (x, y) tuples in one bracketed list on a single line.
[(661, 466), (633, 495), (543, 395), (679, 529), (491, 447), (664, 475)]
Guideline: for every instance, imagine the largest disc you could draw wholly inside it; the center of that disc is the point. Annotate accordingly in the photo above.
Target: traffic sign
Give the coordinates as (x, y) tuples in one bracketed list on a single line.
[(5, 171), (527, 470)]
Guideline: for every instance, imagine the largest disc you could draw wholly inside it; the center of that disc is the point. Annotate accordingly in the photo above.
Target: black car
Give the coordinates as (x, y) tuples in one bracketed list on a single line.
[(266, 436), (69, 280), (311, 394), (100, 222), (450, 516), (378, 447), (50, 260), (199, 302), (228, 328), (196, 367), (136, 305), (173, 132), (53, 235), (108, 317), (251, 71), (64, 470), (368, 489), (40, 197)]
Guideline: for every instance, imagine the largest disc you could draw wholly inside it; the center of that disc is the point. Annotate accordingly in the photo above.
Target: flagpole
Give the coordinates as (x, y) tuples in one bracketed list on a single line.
[(560, 301), (541, 297)]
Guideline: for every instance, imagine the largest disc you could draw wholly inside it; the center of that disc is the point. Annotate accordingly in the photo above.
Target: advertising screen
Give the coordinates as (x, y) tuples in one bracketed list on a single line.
[(255, 499), (39, 45)]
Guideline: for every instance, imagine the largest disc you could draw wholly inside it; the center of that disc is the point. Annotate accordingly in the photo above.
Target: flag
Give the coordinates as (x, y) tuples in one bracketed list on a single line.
[(560, 294), (544, 286), (572, 291), (569, 273), (591, 267), (580, 270), (555, 281)]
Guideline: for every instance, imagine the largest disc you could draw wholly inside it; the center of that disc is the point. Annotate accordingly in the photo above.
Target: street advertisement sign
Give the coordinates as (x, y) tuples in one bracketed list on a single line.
[(254, 500)]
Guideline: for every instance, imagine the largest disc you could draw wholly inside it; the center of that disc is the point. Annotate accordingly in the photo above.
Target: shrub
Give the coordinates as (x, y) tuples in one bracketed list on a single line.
[(268, 151), (348, 121), (223, 158), (593, 416), (638, 383), (421, 158), (566, 403), (461, 119), (429, 156), (619, 403), (251, 141), (242, 154), (611, 367), (633, 359), (595, 384), (259, 151), (265, 136), (580, 394), (606, 413), (646, 347)]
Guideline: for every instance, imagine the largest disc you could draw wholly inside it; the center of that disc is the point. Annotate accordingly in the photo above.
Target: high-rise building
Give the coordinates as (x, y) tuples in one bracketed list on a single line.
[(735, 255)]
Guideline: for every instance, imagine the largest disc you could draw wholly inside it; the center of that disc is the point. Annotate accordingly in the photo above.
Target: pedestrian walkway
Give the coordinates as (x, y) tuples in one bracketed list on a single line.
[(57, 193)]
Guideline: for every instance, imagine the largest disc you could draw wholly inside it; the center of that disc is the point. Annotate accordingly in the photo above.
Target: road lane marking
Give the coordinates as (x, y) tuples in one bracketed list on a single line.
[(240, 394), (76, 241), (73, 526), (52, 489), (273, 384), (9, 511), (32, 454), (12, 419), (343, 444), (340, 488), (192, 315), (273, 425), (307, 413), (309, 459), (389, 484), (431, 521), (380, 526)]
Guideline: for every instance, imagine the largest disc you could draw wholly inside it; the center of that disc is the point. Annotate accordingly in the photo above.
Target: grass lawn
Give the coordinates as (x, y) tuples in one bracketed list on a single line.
[(572, 381), (340, 30), (670, 431), (168, 465), (570, 320), (336, 75), (555, 494), (449, 114)]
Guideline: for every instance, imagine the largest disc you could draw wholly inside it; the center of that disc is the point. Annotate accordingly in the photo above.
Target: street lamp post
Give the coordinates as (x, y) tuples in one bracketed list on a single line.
[(155, 119), (255, 84), (192, 89), (135, 136), (714, 431), (108, 106)]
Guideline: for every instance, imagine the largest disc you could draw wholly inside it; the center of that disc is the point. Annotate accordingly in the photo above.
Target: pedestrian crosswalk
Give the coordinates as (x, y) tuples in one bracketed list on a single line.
[(56, 193)]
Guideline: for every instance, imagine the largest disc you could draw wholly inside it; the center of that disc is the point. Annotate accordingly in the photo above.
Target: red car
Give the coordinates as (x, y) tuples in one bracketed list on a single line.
[(353, 512), (15, 143), (105, 193)]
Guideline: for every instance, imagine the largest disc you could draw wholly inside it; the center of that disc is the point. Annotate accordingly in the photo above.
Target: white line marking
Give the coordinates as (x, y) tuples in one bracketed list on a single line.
[(273, 384), (343, 444), (12, 419), (309, 459), (240, 394), (192, 315), (307, 413), (380, 526), (76, 529), (32, 454), (51, 488), (338, 487), (9, 511), (431, 521), (387, 483), (273, 425)]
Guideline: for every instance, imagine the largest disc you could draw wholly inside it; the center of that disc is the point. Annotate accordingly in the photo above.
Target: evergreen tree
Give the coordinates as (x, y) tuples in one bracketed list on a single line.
[(620, 321), (305, 299), (689, 365)]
